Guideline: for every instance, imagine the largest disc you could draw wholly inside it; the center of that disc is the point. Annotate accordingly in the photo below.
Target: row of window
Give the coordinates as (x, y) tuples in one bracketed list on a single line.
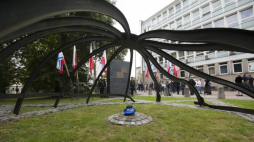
[(196, 14), (223, 68)]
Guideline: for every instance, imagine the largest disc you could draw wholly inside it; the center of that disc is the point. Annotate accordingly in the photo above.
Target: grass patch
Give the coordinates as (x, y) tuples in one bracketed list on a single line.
[(249, 104), (153, 98), (90, 124), (186, 103), (47, 100), (117, 101)]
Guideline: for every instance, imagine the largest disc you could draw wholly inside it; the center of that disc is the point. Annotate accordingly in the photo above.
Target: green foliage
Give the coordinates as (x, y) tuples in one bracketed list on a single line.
[(29, 57)]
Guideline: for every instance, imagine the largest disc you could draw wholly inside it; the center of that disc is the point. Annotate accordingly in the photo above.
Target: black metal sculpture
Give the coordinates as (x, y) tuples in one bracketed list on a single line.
[(15, 23)]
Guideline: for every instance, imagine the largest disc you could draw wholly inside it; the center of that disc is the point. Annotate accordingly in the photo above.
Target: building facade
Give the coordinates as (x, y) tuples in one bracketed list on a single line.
[(199, 14)]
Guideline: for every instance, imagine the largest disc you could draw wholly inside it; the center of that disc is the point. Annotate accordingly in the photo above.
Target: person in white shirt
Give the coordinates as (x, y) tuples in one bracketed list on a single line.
[(199, 86)]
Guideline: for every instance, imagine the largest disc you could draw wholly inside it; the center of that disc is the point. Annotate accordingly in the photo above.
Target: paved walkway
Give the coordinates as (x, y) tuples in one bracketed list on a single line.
[(228, 95)]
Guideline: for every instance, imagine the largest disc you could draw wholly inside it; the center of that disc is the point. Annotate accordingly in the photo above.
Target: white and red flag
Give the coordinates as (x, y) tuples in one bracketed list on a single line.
[(60, 62), (157, 74), (169, 67), (146, 71), (103, 61), (91, 59), (176, 69), (74, 60)]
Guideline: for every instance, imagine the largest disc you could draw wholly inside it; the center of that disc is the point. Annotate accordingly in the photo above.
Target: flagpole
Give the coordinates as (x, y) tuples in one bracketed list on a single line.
[(66, 68)]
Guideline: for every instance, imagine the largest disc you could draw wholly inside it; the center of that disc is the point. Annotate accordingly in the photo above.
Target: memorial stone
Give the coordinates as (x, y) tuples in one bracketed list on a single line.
[(186, 92), (221, 94)]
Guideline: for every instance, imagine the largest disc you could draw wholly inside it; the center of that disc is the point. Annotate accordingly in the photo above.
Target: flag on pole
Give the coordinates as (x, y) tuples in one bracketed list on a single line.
[(103, 61), (176, 69), (60, 62), (146, 71), (74, 60), (169, 67), (152, 66), (157, 74), (91, 59)]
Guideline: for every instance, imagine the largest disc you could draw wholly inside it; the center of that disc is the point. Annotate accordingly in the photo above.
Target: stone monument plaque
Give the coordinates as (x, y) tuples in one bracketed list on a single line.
[(118, 77)]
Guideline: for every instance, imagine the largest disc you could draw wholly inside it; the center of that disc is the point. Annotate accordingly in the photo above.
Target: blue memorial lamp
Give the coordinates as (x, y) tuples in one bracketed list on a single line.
[(129, 110)]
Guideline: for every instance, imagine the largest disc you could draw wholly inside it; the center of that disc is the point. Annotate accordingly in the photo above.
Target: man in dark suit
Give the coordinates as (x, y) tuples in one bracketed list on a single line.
[(182, 87), (177, 86), (102, 84), (193, 83), (132, 85)]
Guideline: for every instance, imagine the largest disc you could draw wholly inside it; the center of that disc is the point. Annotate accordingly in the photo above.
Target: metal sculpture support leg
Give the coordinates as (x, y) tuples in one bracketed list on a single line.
[(158, 96), (150, 57), (201, 74), (79, 65), (128, 82)]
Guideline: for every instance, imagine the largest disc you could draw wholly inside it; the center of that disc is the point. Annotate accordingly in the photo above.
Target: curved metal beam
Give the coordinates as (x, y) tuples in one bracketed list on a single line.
[(128, 82), (107, 64), (201, 74), (15, 46), (238, 38), (150, 57), (45, 60), (62, 22), (15, 15), (80, 64), (193, 47)]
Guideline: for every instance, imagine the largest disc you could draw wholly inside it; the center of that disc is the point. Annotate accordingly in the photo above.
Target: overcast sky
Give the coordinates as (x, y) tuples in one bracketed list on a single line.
[(136, 10)]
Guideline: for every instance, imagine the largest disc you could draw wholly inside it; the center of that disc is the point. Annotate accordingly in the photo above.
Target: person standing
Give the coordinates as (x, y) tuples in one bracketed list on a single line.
[(102, 85), (151, 86), (162, 86), (182, 87), (250, 81), (238, 80), (17, 89), (177, 86), (132, 85), (193, 83), (199, 86), (207, 89), (139, 86), (245, 81), (145, 85), (168, 90)]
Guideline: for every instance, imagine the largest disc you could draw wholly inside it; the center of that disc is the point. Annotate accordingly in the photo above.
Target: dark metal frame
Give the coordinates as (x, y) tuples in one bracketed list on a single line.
[(40, 23)]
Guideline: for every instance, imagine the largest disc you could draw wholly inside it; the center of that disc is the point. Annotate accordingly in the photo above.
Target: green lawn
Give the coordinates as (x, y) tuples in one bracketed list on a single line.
[(186, 103), (153, 98), (90, 124), (249, 104), (48, 100)]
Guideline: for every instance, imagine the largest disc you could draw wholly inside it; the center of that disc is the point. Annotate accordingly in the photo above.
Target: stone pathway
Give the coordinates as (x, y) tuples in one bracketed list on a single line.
[(5, 110)]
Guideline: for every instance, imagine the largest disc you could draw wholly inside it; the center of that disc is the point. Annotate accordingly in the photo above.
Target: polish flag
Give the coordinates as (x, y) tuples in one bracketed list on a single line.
[(74, 60), (158, 74), (146, 71), (169, 67), (91, 59), (176, 69), (60, 62), (103, 61)]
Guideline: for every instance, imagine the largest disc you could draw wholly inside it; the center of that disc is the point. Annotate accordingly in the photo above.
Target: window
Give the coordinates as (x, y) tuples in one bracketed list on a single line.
[(200, 68), (173, 54), (219, 23), (228, 2), (185, 3), (196, 15), (232, 20), (171, 12), (211, 69), (208, 25), (154, 21), (224, 68), (205, 9), (199, 53), (181, 55), (237, 65), (178, 7), (251, 65), (158, 19), (179, 23), (187, 18), (247, 15), (164, 15), (172, 26), (190, 53), (148, 24), (216, 5), (182, 73)]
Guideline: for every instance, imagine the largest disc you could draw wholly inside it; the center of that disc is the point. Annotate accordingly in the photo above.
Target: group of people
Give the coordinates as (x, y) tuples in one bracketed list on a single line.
[(142, 86), (245, 81)]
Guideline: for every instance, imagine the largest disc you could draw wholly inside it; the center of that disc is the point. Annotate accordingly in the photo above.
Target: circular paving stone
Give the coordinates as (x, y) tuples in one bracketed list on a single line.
[(135, 119)]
